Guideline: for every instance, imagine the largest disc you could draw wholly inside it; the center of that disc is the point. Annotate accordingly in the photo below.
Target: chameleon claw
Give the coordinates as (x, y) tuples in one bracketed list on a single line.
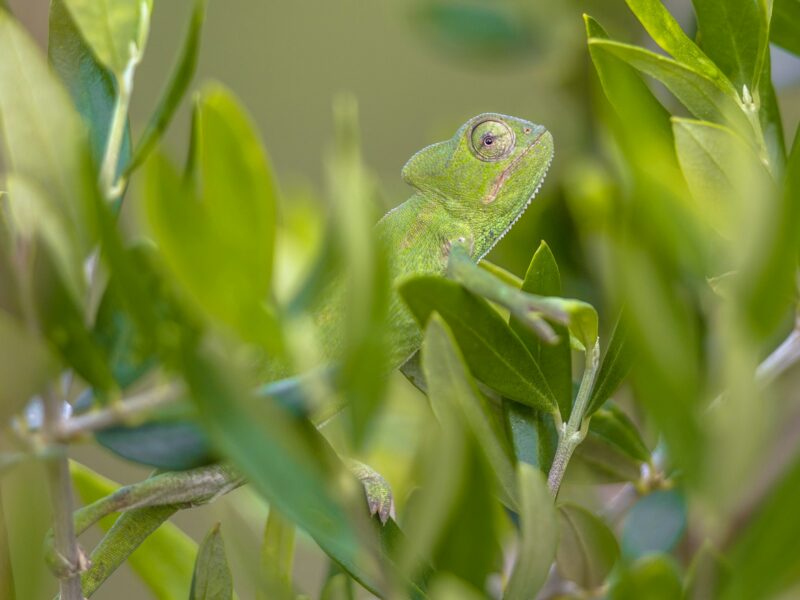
[(377, 490)]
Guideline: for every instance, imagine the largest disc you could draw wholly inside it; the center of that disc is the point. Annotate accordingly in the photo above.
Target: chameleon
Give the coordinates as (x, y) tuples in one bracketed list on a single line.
[(468, 190)]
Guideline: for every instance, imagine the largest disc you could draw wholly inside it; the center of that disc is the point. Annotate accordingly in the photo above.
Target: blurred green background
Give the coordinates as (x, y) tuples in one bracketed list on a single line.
[(418, 68)]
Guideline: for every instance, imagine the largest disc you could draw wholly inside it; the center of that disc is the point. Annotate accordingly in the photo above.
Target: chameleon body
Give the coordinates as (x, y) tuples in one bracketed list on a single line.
[(470, 189)]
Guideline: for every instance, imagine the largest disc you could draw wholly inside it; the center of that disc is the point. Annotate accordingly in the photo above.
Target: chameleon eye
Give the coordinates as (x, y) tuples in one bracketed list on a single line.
[(492, 140)]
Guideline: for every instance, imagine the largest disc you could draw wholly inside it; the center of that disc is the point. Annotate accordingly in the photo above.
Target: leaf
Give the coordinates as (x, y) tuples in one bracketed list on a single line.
[(89, 83), (26, 365), (284, 457), (587, 549), (221, 227), (453, 393), (169, 444), (533, 434), (667, 33), (538, 535), (212, 578), (654, 577), (46, 152), (6, 574), (493, 352), (785, 24), (115, 30), (735, 34), (723, 173), (706, 98), (763, 555), (654, 524), (449, 587), (277, 557), (614, 368), (164, 560), (179, 80), (614, 426), (554, 360)]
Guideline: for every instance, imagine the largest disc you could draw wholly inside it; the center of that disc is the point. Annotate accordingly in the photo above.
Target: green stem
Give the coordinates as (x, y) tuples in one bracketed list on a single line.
[(116, 134), (574, 431)]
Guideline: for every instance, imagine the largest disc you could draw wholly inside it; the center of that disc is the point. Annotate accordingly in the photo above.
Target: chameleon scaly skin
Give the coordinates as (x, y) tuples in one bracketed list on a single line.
[(470, 189)]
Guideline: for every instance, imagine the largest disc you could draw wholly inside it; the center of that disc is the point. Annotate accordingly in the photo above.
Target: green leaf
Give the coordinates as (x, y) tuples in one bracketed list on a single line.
[(763, 555), (706, 98), (26, 365), (614, 426), (653, 577), (493, 352), (116, 30), (554, 360), (449, 587), (284, 457), (222, 226), (452, 393), (89, 83), (212, 578), (277, 557), (654, 524), (734, 34), (538, 535), (587, 549), (598, 461), (179, 80), (785, 24), (7, 589), (165, 558), (533, 434), (46, 153), (614, 368), (338, 587)]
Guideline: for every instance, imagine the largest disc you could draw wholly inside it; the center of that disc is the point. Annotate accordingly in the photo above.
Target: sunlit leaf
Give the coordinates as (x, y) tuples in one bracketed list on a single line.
[(706, 98), (538, 535), (654, 577), (212, 578), (222, 226), (587, 548), (277, 558), (179, 81), (164, 560), (493, 352), (654, 524), (667, 33), (116, 30)]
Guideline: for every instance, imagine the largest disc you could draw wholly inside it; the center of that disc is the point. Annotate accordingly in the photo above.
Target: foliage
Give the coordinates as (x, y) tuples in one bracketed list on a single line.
[(171, 338)]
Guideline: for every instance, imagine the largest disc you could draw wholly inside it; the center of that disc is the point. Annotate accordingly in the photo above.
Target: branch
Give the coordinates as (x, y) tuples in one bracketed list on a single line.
[(123, 411)]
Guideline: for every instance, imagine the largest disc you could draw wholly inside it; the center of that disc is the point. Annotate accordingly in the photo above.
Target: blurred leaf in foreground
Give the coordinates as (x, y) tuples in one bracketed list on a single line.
[(212, 578)]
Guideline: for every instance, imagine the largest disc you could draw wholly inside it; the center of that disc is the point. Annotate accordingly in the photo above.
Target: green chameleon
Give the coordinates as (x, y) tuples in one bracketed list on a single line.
[(469, 191)]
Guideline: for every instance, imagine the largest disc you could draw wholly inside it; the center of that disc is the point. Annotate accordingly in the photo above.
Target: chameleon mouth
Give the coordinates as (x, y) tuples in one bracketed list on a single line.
[(501, 179), (527, 202)]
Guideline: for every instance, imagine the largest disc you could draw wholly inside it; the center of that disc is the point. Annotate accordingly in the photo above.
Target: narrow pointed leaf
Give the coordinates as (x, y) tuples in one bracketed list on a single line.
[(277, 558), (614, 368), (587, 548), (212, 578), (493, 352)]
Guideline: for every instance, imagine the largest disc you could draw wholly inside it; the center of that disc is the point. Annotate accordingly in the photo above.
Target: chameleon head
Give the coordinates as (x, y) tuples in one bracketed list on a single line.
[(485, 175)]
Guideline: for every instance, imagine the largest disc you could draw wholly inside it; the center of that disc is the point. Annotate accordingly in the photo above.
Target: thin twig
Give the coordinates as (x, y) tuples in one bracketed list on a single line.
[(71, 560), (574, 431), (132, 408)]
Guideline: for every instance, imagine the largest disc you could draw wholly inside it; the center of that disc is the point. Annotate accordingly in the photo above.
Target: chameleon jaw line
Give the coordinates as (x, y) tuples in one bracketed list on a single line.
[(501, 179)]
